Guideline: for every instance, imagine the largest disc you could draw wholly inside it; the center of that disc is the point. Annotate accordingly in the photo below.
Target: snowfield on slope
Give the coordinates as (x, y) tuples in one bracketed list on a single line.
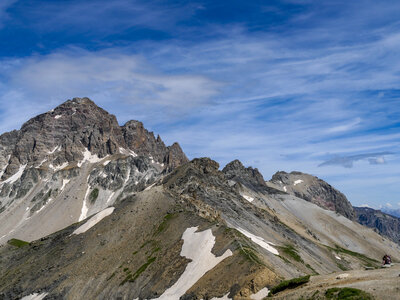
[(35, 296), (94, 220), (197, 246), (16, 176), (248, 198), (259, 241)]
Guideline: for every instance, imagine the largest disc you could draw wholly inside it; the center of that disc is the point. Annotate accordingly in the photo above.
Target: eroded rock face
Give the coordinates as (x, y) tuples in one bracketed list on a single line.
[(65, 156), (65, 133), (385, 224), (314, 190), (249, 177)]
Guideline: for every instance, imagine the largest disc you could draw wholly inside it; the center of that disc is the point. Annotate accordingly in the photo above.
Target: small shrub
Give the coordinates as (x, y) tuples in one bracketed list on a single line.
[(93, 195), (132, 277), (164, 224), (347, 294), (289, 284), (249, 254), (17, 243), (289, 250)]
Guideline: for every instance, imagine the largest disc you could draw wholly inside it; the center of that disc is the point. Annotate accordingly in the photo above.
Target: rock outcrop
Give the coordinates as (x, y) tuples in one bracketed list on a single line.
[(75, 126), (248, 177), (314, 190), (385, 224)]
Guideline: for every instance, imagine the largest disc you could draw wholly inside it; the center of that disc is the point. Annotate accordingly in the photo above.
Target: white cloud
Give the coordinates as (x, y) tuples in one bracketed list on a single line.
[(104, 76), (365, 205), (345, 127)]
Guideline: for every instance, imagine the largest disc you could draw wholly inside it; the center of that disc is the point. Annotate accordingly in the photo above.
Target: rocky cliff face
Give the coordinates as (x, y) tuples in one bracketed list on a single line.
[(65, 133), (385, 224), (61, 158), (248, 177), (314, 190)]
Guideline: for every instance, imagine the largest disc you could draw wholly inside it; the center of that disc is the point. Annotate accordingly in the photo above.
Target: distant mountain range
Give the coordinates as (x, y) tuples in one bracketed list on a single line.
[(94, 210), (393, 212)]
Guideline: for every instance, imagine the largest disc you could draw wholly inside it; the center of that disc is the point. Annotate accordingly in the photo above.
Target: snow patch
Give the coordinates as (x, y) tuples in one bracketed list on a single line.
[(261, 294), (259, 241), (94, 220), (85, 208), (54, 150), (197, 246), (285, 189), (16, 176), (34, 296), (225, 297), (110, 197), (337, 257), (150, 186), (298, 181), (47, 202), (64, 183), (42, 162), (58, 116), (127, 152), (88, 156), (58, 168), (248, 198)]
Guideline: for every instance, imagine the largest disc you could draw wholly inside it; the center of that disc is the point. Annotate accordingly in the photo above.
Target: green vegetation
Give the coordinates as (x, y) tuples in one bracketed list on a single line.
[(347, 294), (249, 254), (132, 277), (290, 251), (342, 267), (112, 275), (17, 243), (312, 269), (93, 195), (369, 262), (164, 224), (289, 284)]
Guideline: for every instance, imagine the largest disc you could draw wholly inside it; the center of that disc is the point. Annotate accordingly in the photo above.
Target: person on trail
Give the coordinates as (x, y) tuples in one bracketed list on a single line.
[(386, 260)]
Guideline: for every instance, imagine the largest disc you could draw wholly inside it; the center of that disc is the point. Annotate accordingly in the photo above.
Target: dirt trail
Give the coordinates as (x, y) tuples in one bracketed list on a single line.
[(381, 283)]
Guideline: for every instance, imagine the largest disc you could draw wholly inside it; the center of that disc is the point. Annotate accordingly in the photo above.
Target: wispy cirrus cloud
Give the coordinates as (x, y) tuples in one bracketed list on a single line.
[(108, 77), (348, 161)]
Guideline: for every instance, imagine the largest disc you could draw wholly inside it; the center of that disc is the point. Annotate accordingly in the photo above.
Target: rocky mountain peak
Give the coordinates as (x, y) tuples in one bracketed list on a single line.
[(314, 190), (249, 176), (63, 136)]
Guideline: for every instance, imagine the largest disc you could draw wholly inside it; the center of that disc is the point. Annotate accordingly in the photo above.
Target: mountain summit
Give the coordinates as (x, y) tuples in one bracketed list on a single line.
[(75, 126), (51, 160), (93, 210)]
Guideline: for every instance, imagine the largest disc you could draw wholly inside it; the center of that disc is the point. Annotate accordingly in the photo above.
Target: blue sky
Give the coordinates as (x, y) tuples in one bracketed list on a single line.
[(286, 85)]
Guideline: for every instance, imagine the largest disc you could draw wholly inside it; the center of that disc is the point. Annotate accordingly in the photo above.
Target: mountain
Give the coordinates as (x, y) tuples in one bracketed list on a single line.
[(94, 210), (75, 159), (321, 193), (387, 225), (314, 190), (393, 212)]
